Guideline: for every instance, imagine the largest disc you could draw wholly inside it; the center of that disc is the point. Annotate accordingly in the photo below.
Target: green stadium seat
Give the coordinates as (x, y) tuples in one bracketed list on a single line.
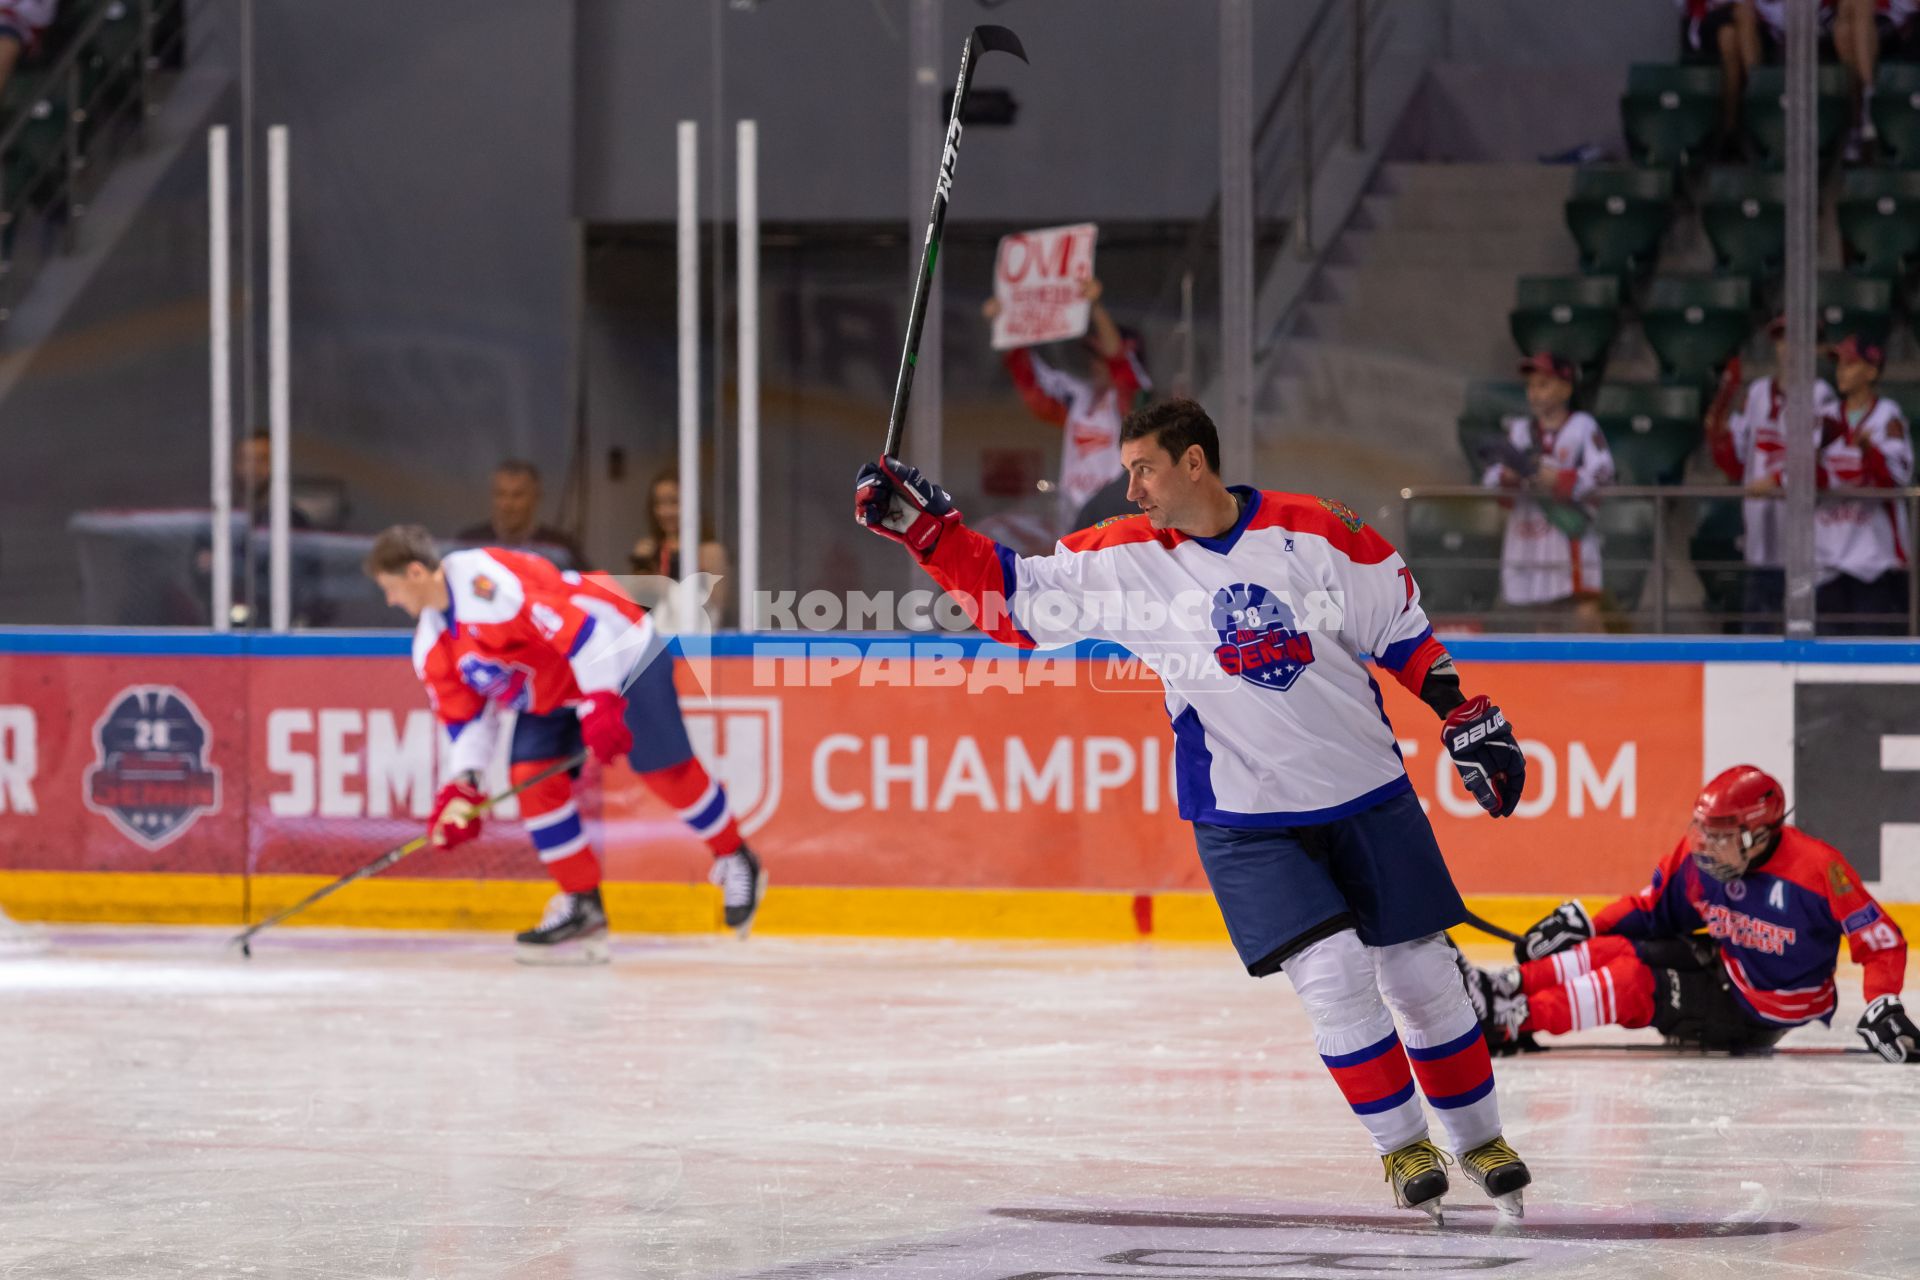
[(1617, 216), (1570, 316), (1896, 111), (1651, 428), (1851, 304), (1717, 558), (1745, 216), (1453, 547), (1626, 548), (1481, 421), (1695, 324), (1765, 118), (1880, 219), (1904, 394), (1670, 113), (30, 171)]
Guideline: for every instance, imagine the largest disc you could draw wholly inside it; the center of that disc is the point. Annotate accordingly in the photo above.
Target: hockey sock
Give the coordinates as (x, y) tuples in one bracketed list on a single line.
[(1563, 967), (1619, 993), (1448, 1052), (1355, 1036), (700, 801), (553, 821)]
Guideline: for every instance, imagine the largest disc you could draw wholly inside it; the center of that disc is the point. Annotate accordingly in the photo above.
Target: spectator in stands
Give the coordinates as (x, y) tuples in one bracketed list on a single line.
[(1861, 548), (1088, 406), (1552, 462), (1862, 31), (1726, 32), (515, 523), (21, 24), (657, 551), (252, 550), (1750, 445)]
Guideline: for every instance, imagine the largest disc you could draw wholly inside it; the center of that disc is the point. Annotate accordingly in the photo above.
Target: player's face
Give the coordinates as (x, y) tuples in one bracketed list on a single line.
[(1546, 393), (1156, 483), (1718, 849), (516, 500), (413, 590)]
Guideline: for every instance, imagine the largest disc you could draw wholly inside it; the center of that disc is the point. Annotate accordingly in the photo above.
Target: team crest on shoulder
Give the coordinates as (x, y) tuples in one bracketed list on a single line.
[(482, 586), (1138, 515), (1259, 639), (1838, 880), (1345, 514)]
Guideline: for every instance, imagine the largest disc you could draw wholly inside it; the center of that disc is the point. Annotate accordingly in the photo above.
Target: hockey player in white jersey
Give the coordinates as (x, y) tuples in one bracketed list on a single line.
[(1257, 609)]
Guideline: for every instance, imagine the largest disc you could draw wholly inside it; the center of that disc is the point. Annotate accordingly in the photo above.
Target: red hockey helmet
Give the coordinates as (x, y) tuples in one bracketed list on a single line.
[(1736, 821)]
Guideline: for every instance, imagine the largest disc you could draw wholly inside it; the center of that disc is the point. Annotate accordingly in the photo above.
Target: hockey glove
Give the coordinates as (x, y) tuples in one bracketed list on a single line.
[(1565, 926), (456, 812), (1490, 762), (896, 501), (603, 726), (1889, 1032)]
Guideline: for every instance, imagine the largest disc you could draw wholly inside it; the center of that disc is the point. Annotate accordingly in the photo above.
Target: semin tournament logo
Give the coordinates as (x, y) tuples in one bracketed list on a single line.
[(150, 774), (1258, 639)]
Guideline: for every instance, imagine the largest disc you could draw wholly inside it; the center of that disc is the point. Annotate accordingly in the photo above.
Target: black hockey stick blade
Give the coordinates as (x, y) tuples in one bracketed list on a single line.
[(999, 40)]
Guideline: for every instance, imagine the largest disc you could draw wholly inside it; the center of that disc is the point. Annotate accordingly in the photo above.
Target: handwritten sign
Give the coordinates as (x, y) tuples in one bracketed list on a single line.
[(1037, 278)]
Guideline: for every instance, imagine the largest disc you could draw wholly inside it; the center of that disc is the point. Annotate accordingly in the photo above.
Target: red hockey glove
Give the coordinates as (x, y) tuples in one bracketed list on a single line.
[(1491, 765), (896, 501), (456, 812), (603, 725)]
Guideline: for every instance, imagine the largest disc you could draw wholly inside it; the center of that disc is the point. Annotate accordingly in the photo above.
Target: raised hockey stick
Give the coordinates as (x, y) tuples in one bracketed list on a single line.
[(980, 40), (244, 939)]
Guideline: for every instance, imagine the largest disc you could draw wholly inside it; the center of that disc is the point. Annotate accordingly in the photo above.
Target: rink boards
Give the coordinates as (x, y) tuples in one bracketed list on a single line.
[(895, 785)]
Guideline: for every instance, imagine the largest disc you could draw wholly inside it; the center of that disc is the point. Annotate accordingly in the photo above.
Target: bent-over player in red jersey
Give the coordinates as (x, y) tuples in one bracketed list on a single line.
[(1774, 903), (581, 665)]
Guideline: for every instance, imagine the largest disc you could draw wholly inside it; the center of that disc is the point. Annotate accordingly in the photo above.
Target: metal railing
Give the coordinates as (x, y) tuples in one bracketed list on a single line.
[(1430, 550), (100, 106)]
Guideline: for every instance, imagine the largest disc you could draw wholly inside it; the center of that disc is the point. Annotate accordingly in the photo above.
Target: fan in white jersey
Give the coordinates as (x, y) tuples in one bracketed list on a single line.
[(1258, 609), (1750, 445), (1087, 409), (1861, 547), (1552, 461)]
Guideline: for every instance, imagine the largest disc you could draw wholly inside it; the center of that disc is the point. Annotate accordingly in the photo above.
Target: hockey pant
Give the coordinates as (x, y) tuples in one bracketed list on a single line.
[(1674, 985), (1355, 993)]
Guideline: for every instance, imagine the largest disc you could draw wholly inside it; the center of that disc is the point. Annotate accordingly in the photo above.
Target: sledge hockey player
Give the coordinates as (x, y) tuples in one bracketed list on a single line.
[(581, 664), (1254, 607), (1775, 903)]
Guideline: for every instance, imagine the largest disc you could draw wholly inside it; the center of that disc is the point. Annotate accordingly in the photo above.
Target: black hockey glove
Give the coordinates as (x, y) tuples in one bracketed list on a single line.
[(1565, 926), (1490, 762), (896, 501), (1889, 1032)]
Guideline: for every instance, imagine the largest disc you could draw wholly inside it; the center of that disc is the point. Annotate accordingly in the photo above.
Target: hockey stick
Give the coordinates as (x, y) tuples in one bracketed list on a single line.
[(244, 939), (979, 40), (1487, 926)]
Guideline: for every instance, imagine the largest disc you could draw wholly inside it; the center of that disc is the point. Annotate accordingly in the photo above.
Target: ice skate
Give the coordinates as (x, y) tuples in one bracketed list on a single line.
[(743, 882), (1495, 1169), (573, 931), (1419, 1176)]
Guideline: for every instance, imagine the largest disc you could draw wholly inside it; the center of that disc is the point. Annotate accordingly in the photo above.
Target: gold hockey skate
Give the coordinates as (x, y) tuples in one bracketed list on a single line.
[(1418, 1172), (1497, 1170)]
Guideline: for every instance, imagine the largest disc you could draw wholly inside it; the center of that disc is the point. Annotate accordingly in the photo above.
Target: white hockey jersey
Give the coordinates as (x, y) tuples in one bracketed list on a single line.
[(1539, 561), (1864, 539), (1757, 456), (1089, 422), (1257, 636)]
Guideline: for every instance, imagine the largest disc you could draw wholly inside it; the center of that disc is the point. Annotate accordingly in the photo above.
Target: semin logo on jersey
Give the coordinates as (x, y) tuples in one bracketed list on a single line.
[(1259, 641), (509, 684)]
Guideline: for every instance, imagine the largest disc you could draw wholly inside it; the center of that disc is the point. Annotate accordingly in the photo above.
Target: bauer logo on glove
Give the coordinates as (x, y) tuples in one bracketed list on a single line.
[(1492, 767)]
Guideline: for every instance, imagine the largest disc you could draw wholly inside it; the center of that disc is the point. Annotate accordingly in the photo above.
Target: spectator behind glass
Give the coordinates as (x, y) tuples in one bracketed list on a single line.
[(1552, 460), (21, 23), (515, 522), (1861, 548), (657, 551), (252, 551)]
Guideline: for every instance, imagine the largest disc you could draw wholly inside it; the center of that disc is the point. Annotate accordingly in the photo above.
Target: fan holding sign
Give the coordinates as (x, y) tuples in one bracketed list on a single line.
[(1045, 291)]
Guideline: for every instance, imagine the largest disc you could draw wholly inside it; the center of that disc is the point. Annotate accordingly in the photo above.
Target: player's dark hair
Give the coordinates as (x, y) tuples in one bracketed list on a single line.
[(517, 467), (399, 546), (1176, 426)]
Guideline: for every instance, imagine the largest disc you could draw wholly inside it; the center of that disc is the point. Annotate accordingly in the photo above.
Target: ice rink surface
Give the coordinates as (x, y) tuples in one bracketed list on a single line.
[(388, 1105)]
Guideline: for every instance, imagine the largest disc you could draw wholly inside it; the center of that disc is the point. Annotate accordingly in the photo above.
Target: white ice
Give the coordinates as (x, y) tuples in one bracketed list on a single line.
[(387, 1105)]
